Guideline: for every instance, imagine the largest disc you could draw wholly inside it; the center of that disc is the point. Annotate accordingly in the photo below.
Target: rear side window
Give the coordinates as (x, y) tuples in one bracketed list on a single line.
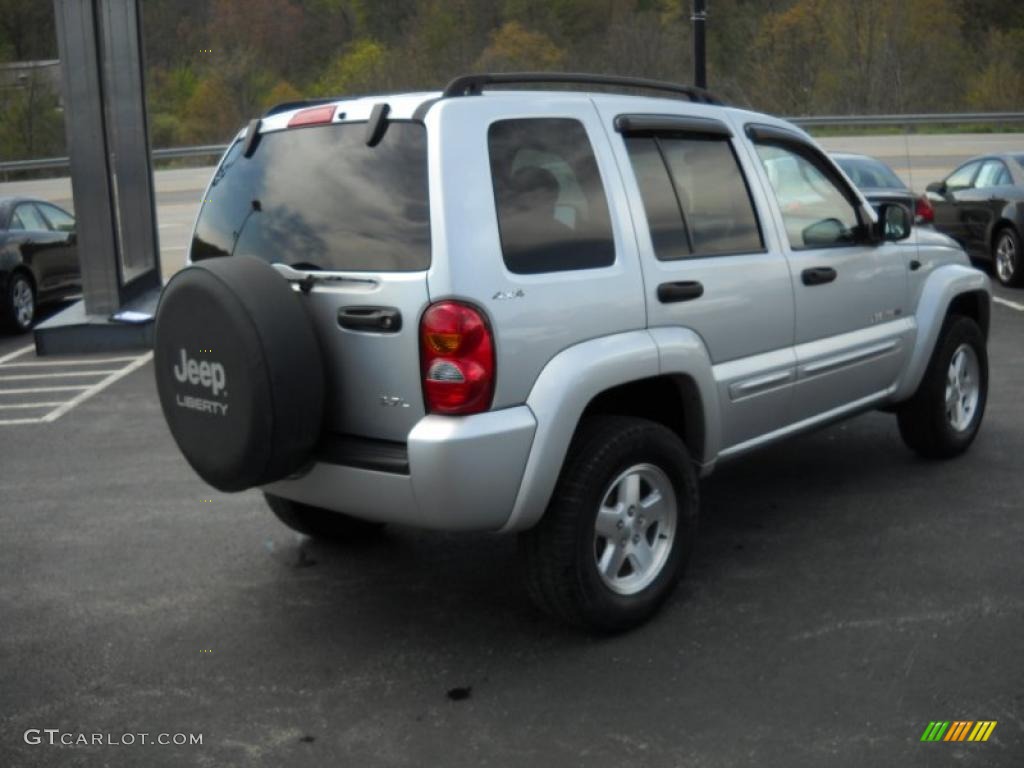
[(695, 196), (552, 209), (319, 198)]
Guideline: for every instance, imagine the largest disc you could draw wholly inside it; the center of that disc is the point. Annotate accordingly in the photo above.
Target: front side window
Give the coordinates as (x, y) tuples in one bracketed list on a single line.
[(962, 177), (59, 220), (815, 211), (320, 198), (551, 204)]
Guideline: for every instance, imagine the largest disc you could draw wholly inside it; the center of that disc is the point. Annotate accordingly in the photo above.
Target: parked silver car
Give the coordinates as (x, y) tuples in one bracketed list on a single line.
[(548, 313)]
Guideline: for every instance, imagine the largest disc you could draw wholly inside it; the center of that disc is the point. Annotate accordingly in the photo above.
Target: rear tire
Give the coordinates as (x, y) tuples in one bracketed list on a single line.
[(321, 523), (942, 419), (607, 552), (19, 305), (1007, 258)]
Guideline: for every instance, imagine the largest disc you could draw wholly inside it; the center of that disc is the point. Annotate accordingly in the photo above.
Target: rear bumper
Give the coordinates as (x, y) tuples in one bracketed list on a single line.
[(464, 474)]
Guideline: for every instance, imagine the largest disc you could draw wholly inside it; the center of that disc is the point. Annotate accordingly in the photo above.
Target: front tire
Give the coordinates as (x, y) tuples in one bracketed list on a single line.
[(321, 523), (619, 529), (943, 417), (20, 303), (1007, 257)]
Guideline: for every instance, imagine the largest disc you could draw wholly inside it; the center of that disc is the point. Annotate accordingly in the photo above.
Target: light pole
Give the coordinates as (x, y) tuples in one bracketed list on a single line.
[(699, 19)]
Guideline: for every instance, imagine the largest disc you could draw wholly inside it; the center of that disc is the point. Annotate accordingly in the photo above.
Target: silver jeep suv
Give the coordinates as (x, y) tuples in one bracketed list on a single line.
[(548, 312)]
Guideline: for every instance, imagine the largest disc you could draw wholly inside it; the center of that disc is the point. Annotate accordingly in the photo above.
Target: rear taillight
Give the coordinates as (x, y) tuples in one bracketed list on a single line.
[(456, 359), (923, 211)]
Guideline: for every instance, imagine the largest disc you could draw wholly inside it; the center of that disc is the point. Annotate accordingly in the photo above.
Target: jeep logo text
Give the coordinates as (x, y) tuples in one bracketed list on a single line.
[(205, 374)]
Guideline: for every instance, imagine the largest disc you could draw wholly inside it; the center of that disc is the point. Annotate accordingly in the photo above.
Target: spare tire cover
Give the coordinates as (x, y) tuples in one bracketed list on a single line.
[(239, 372)]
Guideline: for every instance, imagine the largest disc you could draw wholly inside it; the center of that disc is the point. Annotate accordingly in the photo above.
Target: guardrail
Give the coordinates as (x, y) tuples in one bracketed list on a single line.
[(967, 118)]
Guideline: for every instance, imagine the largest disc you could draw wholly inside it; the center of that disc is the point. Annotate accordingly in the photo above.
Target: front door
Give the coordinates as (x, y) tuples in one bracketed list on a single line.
[(853, 329)]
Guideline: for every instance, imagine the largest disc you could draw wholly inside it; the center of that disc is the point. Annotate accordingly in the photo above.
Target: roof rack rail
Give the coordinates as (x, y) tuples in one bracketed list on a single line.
[(472, 85)]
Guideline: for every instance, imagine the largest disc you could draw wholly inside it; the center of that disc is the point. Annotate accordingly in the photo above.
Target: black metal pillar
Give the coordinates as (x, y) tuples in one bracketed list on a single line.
[(699, 19)]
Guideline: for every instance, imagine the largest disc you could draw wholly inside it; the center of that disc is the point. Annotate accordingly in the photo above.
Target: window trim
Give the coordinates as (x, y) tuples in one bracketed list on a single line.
[(600, 176), (694, 134), (644, 124)]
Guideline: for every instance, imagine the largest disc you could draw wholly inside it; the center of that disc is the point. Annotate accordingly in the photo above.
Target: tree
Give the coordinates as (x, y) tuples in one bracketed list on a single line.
[(515, 48)]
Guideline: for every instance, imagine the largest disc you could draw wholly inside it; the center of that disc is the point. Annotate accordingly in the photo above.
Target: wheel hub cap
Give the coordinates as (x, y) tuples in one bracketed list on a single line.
[(635, 529), (24, 305), (963, 388), (1006, 253)]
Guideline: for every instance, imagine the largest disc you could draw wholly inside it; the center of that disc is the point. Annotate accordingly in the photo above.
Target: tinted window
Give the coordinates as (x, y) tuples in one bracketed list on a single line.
[(992, 174), (59, 220), (30, 218), (962, 177), (868, 173), (695, 196), (319, 198), (814, 209), (552, 210)]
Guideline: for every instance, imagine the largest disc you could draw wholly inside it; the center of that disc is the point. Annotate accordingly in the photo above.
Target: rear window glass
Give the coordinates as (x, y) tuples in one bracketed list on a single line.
[(319, 198), (695, 197), (552, 210), (868, 173)]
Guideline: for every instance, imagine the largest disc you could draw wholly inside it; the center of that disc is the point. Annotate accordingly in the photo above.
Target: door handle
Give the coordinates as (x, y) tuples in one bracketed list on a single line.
[(684, 290), (378, 319), (914, 265), (818, 275)]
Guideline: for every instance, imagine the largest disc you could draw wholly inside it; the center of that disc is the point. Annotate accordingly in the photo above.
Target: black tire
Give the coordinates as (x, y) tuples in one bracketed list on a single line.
[(924, 424), (559, 554), (19, 290), (321, 523), (1013, 274)]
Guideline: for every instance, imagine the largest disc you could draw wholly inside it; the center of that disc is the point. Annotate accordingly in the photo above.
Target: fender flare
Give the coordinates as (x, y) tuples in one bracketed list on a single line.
[(941, 287), (575, 376)]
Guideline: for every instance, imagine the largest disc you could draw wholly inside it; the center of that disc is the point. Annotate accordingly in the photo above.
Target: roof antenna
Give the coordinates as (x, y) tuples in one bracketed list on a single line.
[(377, 125)]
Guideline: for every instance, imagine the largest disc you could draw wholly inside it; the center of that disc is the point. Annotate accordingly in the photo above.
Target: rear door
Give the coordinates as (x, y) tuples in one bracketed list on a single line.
[(349, 224), (983, 203), (853, 328), (948, 201), (708, 265), (40, 246), (66, 266)]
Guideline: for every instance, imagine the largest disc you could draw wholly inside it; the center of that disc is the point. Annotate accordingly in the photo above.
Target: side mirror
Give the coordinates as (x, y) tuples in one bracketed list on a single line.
[(938, 187), (894, 222)]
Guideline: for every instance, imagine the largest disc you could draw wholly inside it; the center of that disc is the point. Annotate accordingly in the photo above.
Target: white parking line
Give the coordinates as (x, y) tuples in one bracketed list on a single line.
[(30, 405), (16, 353), (78, 393), (1008, 303), (98, 387), (33, 390), (58, 361), (61, 375)]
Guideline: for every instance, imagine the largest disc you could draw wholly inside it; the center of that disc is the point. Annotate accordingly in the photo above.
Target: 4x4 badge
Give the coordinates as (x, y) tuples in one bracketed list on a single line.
[(505, 295)]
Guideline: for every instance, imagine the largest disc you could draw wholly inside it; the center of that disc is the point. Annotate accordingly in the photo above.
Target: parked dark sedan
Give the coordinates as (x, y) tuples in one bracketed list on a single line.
[(880, 184), (981, 205), (38, 258)]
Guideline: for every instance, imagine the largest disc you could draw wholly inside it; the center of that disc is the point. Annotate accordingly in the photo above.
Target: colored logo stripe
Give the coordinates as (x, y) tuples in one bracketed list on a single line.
[(958, 730)]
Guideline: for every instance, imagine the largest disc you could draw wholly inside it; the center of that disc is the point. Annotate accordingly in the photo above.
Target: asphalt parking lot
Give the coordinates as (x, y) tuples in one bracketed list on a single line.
[(843, 595)]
